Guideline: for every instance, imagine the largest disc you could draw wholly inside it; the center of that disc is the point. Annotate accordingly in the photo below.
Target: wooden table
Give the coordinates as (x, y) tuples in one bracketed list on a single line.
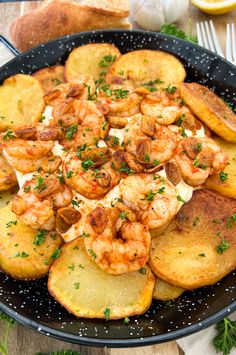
[(24, 341)]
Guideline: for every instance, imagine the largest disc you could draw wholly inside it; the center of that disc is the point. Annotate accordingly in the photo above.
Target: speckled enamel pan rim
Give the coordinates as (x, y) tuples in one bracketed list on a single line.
[(121, 342)]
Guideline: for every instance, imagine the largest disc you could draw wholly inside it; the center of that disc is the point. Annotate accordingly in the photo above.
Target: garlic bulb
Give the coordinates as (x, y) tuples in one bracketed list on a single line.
[(152, 14)]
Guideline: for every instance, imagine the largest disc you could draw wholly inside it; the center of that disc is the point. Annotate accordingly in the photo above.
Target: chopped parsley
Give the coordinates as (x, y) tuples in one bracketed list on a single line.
[(107, 60), (69, 174), (223, 246), (56, 254), (107, 313), (143, 271), (27, 188), (171, 89), (126, 321), (92, 253), (223, 176), (8, 135), (40, 237), (147, 158), (180, 199), (153, 82), (86, 164), (76, 203), (123, 215), (231, 219), (40, 184), (202, 255), (70, 131), (150, 195), (156, 162), (77, 285), (183, 133), (11, 223), (180, 120), (23, 254)]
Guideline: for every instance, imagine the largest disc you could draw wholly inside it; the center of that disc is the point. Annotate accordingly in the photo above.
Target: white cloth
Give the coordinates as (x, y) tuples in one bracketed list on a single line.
[(199, 343)]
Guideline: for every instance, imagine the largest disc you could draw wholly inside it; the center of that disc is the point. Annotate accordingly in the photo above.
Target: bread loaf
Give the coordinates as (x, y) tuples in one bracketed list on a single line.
[(56, 18)]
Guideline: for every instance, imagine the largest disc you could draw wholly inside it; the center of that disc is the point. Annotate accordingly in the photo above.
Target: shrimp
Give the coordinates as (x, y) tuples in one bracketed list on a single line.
[(26, 156), (7, 175), (121, 103), (153, 197), (150, 142), (80, 88), (89, 127), (92, 177), (35, 202), (163, 106), (116, 250), (198, 158)]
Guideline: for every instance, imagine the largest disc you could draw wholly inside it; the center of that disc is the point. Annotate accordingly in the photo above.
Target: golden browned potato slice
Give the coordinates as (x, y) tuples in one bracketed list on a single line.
[(148, 67), (225, 183), (50, 77), (198, 248), (7, 175), (164, 291), (24, 253), (21, 98), (86, 291), (210, 109), (91, 59)]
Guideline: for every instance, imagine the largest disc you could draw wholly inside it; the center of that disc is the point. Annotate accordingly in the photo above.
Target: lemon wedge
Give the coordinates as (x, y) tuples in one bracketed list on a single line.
[(215, 7)]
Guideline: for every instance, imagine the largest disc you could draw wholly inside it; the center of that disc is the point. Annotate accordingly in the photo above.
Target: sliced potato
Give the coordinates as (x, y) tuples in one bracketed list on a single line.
[(50, 77), (19, 256), (210, 109), (226, 187), (21, 98), (86, 291), (148, 67), (90, 59), (7, 196), (197, 249), (164, 291), (7, 175)]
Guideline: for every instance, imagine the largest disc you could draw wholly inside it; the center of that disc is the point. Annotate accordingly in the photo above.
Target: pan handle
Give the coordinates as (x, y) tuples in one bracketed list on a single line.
[(7, 51)]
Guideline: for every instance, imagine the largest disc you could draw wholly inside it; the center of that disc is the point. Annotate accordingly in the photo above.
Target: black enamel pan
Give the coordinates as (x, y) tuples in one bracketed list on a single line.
[(30, 303)]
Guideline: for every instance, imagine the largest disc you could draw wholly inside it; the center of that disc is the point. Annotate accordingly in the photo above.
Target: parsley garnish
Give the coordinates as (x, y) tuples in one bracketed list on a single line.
[(40, 237), (9, 323), (180, 199), (86, 164), (11, 223), (180, 120), (107, 60), (107, 313), (123, 215), (23, 254), (143, 271), (40, 184), (8, 135), (27, 188), (172, 30), (223, 176), (92, 253), (126, 321), (223, 246), (226, 337), (70, 131), (69, 174), (171, 89), (231, 219), (56, 254), (76, 203), (77, 285)]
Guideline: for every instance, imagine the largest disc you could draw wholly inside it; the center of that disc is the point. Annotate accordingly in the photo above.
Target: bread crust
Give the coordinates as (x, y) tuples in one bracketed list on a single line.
[(58, 18)]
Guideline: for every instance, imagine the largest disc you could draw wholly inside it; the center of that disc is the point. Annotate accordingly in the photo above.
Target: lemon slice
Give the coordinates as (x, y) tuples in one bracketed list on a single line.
[(215, 7)]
